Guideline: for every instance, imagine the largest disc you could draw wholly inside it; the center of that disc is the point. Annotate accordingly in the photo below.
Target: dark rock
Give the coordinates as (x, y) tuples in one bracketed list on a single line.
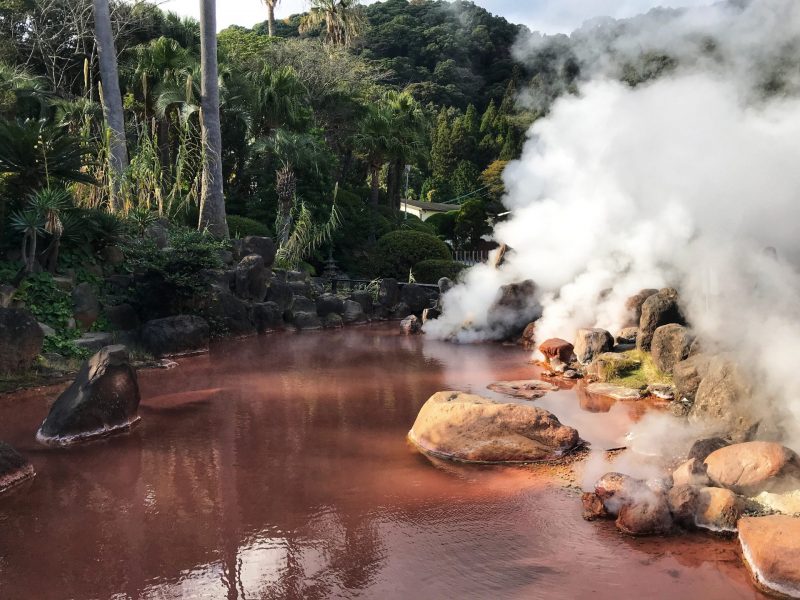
[(430, 314), (85, 307), (400, 311), (226, 256), (7, 293), (648, 515), (516, 297), (329, 304), (224, 279), (659, 309), (122, 317), (528, 338), (670, 345), (389, 294), (634, 306), (353, 313), (683, 502), (14, 468), (119, 284), (593, 507), (267, 316), (229, 313), (627, 336), (306, 320), (300, 288), (251, 278), (172, 336), (262, 246), (94, 341), (702, 448), (416, 297), (113, 255), (297, 276), (332, 321), (411, 325), (21, 340), (103, 399), (158, 233), (303, 304), (364, 298), (590, 343), (687, 375), (280, 293), (47, 330), (723, 401), (445, 285)]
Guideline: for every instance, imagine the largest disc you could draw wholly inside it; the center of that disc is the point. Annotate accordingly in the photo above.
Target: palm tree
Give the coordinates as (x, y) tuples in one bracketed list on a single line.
[(212, 199), (410, 127), (112, 100), (344, 20), (279, 99), (271, 4)]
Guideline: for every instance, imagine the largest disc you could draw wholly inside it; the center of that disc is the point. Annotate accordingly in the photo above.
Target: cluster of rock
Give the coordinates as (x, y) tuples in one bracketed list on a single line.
[(469, 428)]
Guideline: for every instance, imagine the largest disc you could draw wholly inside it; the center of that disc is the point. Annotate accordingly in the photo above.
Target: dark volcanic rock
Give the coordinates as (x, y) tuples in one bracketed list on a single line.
[(251, 278), (267, 316), (687, 375), (306, 320), (670, 345), (332, 321), (172, 336), (634, 306), (229, 313), (280, 293), (103, 399), (300, 288), (723, 401), (445, 285), (659, 309), (14, 468), (85, 307), (416, 297), (364, 298), (702, 448), (303, 304), (353, 313), (389, 293), (21, 340), (262, 246), (122, 317), (329, 304)]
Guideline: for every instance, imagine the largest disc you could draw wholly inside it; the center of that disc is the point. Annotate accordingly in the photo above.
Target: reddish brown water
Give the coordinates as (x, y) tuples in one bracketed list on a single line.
[(278, 467)]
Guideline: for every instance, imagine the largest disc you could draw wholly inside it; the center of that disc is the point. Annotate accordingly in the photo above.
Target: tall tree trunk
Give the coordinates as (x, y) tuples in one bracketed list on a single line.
[(271, 18), (112, 100), (212, 200), (374, 198)]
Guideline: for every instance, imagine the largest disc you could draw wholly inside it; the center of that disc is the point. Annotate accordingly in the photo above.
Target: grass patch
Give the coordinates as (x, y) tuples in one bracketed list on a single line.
[(636, 371)]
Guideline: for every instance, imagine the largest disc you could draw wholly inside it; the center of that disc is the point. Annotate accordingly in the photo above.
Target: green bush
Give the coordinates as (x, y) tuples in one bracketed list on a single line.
[(431, 271), (241, 227), (412, 223), (399, 251), (444, 224)]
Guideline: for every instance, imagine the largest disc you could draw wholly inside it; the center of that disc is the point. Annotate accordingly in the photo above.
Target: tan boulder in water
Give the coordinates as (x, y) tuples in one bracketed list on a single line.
[(470, 428), (771, 550), (753, 467)]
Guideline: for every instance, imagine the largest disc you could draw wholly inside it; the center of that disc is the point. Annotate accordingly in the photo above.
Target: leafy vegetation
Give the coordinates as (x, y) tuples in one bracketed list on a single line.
[(431, 271), (399, 251)]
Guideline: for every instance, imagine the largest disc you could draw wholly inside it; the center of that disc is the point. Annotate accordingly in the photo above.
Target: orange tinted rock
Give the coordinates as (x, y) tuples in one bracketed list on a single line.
[(529, 389), (718, 509), (646, 515), (528, 339), (691, 472), (771, 550), (754, 467), (557, 348), (593, 507), (466, 427)]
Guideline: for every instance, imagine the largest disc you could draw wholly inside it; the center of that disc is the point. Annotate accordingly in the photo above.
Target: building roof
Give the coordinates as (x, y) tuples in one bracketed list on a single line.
[(431, 206)]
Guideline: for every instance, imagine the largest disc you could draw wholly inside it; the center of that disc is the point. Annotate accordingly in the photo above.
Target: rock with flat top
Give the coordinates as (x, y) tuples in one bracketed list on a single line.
[(771, 550), (465, 427), (754, 467), (557, 349), (529, 389), (103, 400), (590, 343), (670, 345), (615, 392)]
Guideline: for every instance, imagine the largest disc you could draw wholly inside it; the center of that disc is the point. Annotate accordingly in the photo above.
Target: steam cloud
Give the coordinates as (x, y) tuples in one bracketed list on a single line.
[(683, 181)]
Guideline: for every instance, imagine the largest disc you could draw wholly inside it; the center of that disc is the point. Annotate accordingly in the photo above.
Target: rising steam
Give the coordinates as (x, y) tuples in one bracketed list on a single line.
[(683, 181)]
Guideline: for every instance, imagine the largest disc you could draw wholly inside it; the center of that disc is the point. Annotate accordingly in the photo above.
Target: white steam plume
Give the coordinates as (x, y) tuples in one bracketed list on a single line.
[(683, 181)]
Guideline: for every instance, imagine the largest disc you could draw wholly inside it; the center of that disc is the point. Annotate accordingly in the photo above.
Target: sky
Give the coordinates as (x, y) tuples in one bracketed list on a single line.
[(548, 16)]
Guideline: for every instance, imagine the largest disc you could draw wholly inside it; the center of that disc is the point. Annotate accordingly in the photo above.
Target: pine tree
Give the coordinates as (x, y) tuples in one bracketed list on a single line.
[(489, 118), (443, 154)]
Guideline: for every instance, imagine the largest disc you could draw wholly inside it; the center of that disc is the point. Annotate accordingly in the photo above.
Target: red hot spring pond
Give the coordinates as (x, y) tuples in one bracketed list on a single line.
[(278, 467)]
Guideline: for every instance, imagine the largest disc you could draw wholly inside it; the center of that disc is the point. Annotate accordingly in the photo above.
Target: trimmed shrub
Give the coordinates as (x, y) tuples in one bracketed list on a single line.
[(399, 251), (444, 224), (241, 227), (431, 271)]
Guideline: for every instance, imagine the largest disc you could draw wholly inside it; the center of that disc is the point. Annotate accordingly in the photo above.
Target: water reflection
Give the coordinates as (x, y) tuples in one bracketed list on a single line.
[(278, 468)]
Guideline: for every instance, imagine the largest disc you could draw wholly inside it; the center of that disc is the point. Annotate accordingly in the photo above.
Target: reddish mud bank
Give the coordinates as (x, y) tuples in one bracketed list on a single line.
[(278, 467)]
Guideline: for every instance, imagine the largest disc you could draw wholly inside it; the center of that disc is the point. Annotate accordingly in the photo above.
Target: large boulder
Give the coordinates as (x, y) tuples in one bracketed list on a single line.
[(723, 401), (353, 313), (332, 321), (14, 468), (754, 467), (771, 550), (692, 472), (21, 340), (633, 306), (702, 448), (590, 343), (657, 310), (122, 317), (262, 246), (364, 298), (718, 509), (514, 307), (103, 400), (280, 293), (305, 321), (687, 375), (85, 306), (683, 501), (303, 304), (648, 515), (465, 427), (172, 336), (330, 304), (670, 345), (389, 293), (228, 313), (158, 233), (416, 297), (267, 316), (251, 278)]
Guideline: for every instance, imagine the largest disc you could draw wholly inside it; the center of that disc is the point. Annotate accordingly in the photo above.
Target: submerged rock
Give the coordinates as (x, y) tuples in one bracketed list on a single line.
[(465, 427), (21, 340), (590, 343), (616, 392), (529, 389), (657, 310), (103, 400), (411, 325), (754, 467), (14, 468), (771, 550), (172, 336), (670, 345)]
